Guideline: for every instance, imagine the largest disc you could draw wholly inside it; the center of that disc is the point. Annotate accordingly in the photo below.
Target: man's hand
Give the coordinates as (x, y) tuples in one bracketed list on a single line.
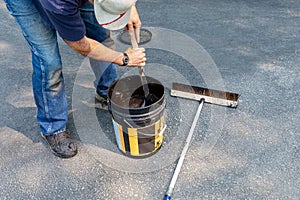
[(137, 57), (134, 23)]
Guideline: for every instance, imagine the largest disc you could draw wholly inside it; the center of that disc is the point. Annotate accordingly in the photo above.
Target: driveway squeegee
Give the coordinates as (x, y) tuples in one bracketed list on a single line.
[(202, 95)]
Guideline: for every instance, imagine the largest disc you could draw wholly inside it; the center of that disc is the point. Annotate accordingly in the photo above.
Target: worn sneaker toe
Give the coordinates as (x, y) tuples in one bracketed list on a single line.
[(61, 144)]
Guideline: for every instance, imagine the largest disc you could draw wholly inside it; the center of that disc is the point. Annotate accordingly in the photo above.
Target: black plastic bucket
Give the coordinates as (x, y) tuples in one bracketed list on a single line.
[(138, 128)]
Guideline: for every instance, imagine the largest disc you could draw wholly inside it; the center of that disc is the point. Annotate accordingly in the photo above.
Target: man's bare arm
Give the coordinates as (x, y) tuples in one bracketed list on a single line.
[(93, 49)]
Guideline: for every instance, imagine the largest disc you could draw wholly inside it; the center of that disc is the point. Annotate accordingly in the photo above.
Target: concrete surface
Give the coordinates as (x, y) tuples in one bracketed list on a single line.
[(252, 152)]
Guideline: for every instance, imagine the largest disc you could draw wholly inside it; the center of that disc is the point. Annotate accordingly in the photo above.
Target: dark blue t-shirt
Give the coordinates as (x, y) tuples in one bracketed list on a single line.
[(63, 16)]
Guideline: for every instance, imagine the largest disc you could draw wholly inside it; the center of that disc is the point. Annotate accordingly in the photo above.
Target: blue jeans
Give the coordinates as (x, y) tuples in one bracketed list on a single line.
[(47, 77)]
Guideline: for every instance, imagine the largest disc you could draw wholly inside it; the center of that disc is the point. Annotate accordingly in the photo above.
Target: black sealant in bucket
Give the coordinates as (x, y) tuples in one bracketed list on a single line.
[(138, 128)]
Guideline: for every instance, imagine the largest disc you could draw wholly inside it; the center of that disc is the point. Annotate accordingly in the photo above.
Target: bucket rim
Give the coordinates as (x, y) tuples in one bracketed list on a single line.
[(136, 109)]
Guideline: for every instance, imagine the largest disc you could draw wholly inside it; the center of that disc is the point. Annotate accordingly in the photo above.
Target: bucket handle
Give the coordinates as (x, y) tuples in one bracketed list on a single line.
[(147, 134), (158, 134)]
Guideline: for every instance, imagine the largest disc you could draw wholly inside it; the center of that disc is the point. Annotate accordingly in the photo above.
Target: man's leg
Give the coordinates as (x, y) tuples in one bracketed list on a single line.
[(47, 78), (105, 72)]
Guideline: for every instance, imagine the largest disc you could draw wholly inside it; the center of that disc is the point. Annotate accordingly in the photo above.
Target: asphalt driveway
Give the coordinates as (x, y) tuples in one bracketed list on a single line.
[(252, 152)]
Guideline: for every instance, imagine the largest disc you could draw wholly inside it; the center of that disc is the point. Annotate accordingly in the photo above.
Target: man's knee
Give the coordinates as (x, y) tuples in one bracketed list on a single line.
[(55, 80)]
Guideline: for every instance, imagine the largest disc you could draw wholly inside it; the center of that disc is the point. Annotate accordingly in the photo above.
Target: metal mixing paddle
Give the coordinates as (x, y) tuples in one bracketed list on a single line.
[(148, 97)]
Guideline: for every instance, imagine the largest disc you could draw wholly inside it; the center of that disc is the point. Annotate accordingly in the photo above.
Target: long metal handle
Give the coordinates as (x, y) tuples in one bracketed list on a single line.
[(182, 155), (141, 68), (133, 39)]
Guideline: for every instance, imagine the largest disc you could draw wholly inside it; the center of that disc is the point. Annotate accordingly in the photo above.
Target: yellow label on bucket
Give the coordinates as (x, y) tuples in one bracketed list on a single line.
[(159, 125), (121, 137), (139, 141), (133, 141)]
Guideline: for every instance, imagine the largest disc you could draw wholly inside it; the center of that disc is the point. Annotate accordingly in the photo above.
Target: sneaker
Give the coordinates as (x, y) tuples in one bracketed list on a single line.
[(61, 144), (101, 102)]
